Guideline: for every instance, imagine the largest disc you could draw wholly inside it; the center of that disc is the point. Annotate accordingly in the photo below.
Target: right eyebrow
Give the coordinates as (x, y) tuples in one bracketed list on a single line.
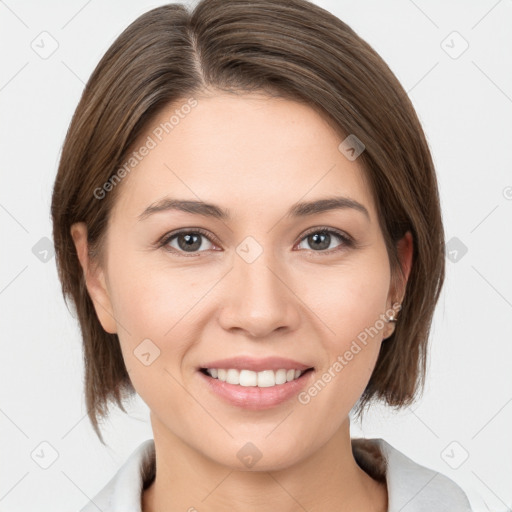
[(195, 207)]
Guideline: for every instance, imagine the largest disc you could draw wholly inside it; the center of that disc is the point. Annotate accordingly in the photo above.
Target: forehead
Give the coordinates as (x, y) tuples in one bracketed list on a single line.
[(249, 153)]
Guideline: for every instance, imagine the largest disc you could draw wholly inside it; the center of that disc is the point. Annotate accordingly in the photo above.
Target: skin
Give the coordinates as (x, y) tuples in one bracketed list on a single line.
[(256, 157)]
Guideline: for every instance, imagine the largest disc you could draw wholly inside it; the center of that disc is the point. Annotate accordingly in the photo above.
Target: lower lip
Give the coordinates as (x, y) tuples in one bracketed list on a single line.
[(253, 397)]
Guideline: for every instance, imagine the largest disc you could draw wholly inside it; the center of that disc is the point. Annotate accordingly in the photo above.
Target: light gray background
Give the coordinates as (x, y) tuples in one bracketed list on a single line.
[(465, 104)]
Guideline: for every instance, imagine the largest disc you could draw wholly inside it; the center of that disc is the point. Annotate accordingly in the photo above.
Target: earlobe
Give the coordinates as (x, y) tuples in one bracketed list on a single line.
[(94, 279)]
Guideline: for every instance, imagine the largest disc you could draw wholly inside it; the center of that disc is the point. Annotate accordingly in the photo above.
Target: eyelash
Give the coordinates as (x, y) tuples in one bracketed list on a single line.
[(347, 241)]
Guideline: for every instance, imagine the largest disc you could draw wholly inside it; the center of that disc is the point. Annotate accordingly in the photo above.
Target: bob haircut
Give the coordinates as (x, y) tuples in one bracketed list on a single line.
[(293, 50)]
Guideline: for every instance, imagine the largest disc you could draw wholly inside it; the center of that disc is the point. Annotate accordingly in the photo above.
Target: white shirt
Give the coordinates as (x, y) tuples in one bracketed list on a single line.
[(411, 487)]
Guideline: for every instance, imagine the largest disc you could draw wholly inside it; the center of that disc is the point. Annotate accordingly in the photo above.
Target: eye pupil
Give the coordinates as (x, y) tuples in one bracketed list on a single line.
[(319, 240), (191, 242)]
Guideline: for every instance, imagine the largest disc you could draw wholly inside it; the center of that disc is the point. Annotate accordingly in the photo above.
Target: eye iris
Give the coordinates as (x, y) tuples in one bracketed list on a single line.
[(320, 240), (191, 241)]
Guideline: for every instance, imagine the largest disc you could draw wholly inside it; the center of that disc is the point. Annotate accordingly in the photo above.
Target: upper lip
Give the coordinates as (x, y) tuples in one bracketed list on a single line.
[(257, 365)]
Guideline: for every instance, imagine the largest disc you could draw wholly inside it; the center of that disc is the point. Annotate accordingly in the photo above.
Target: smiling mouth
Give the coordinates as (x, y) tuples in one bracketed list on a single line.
[(249, 378)]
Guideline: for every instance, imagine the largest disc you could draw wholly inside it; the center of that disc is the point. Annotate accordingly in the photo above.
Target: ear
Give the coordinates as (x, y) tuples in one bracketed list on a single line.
[(405, 253), (94, 279)]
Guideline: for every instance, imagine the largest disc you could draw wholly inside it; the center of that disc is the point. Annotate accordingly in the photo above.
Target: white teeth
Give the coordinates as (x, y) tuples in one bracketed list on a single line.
[(280, 376), (233, 377), (266, 379), (248, 378)]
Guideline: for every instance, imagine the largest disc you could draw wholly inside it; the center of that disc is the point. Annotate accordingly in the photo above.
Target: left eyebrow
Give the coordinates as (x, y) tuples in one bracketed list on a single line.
[(323, 205), (302, 209)]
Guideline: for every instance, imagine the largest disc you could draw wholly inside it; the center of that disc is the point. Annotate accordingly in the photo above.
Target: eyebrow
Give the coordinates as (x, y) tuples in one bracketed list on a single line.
[(302, 209)]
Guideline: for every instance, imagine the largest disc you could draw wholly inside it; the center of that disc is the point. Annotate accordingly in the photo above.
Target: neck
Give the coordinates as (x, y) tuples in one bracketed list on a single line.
[(329, 479)]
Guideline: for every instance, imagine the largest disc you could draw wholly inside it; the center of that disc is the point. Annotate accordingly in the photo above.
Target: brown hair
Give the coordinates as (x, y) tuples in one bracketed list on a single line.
[(292, 49)]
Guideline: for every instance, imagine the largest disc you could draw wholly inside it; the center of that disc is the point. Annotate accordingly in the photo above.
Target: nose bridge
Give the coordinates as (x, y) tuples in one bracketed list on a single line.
[(259, 301)]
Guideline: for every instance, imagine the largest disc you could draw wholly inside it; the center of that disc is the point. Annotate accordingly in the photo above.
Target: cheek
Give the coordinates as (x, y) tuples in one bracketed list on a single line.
[(150, 299), (349, 300), (150, 309)]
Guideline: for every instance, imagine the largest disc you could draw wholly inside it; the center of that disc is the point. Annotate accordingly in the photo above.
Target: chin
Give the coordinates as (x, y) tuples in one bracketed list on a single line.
[(257, 455)]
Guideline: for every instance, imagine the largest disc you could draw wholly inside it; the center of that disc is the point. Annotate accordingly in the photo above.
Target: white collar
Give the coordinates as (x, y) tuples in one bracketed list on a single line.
[(411, 487)]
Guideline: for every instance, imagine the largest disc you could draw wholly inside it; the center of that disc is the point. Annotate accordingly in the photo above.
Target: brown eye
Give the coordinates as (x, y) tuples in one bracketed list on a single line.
[(187, 242), (324, 240)]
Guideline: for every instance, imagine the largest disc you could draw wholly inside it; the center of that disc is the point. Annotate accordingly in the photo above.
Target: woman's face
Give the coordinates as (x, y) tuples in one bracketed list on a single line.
[(260, 281)]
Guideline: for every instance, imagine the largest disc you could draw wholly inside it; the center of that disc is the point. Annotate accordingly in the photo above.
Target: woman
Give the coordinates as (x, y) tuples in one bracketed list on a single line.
[(247, 221)]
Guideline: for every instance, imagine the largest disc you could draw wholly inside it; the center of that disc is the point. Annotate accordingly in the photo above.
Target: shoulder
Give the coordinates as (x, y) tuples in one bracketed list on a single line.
[(411, 486), (124, 490)]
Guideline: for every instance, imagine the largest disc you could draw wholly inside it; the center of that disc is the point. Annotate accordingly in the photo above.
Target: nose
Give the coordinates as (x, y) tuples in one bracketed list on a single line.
[(259, 298)]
